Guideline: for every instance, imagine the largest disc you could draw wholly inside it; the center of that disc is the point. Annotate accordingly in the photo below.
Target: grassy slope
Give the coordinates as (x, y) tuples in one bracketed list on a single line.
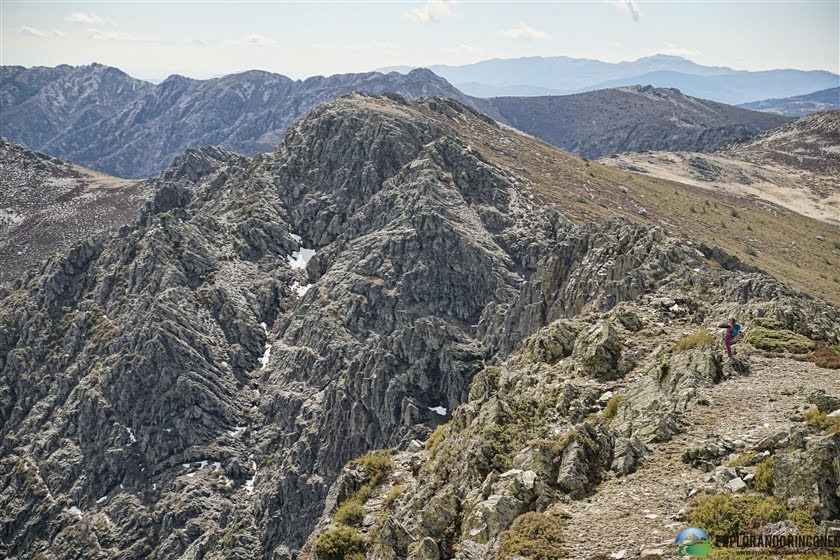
[(779, 241)]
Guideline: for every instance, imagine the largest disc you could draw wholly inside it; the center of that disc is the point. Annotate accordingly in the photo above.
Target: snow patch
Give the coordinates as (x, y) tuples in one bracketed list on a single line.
[(131, 438), (299, 259), (295, 236), (237, 430), (249, 485), (300, 290), (265, 356), (438, 410), (76, 510), (102, 499)]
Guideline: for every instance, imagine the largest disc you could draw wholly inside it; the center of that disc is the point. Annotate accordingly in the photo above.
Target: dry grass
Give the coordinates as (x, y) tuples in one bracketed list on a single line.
[(774, 239)]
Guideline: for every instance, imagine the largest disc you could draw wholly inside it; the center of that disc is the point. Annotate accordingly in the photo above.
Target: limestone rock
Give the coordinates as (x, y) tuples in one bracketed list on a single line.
[(810, 476), (597, 350)]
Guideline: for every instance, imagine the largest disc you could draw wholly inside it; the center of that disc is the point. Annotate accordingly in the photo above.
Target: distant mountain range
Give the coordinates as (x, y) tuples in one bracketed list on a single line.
[(102, 118), (630, 119), (801, 105), (559, 75)]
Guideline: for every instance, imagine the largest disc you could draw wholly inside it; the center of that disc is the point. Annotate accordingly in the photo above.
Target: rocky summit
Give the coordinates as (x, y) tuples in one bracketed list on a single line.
[(193, 386)]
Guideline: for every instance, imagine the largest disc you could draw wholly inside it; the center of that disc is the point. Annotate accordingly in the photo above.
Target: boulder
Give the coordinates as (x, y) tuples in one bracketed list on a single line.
[(597, 351)]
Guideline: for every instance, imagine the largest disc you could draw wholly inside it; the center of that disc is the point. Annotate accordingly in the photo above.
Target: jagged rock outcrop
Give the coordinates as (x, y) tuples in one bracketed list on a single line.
[(546, 427), (192, 386), (143, 365)]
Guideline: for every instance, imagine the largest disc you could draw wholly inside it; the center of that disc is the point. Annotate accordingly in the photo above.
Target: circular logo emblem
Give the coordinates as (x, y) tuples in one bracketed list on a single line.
[(693, 542)]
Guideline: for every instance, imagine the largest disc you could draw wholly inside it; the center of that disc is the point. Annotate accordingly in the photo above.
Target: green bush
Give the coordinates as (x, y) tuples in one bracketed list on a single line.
[(742, 460), (724, 514), (351, 512), (340, 543), (434, 439), (536, 536), (377, 463), (764, 477), (698, 339)]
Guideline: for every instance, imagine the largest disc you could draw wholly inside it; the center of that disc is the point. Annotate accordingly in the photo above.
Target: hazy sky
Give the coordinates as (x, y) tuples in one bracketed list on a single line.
[(153, 39)]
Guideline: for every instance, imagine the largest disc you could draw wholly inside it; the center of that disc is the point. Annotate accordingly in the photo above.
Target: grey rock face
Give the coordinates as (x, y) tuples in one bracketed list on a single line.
[(193, 386), (137, 370), (810, 476)]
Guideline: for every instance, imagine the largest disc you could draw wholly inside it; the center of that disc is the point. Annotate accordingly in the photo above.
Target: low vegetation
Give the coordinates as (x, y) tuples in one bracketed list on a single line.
[(725, 514), (699, 339), (535, 536), (340, 543), (376, 465), (612, 407), (823, 422), (779, 340), (434, 439), (763, 481), (567, 182), (742, 460)]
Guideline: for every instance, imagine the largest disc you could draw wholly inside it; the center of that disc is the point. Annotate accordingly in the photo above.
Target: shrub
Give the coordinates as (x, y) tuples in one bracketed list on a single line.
[(434, 439), (764, 477), (350, 512), (612, 407), (698, 339), (377, 463), (724, 514), (536, 536), (340, 543), (392, 496), (742, 460), (825, 357)]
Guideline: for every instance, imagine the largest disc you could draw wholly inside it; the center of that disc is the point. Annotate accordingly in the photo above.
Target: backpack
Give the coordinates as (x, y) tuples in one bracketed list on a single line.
[(736, 328)]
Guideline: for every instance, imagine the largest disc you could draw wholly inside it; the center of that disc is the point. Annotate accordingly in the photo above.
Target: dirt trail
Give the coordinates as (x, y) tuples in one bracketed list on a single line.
[(640, 511)]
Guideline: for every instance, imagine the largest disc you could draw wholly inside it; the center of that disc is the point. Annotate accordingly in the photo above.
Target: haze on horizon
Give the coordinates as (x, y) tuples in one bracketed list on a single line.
[(202, 39)]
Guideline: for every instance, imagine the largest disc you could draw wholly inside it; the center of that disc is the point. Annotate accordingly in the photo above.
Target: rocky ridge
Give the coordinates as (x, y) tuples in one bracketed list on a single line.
[(606, 431), (801, 105), (630, 119), (192, 387)]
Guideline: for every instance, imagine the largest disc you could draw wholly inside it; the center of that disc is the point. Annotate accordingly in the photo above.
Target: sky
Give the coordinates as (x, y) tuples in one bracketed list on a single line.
[(153, 39)]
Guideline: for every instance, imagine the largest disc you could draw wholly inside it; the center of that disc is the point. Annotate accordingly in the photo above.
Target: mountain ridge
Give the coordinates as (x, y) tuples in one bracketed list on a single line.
[(153, 123), (799, 106), (193, 385), (566, 75), (109, 121)]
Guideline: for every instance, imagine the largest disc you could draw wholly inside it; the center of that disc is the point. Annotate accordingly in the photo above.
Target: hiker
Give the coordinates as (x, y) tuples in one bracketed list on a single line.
[(732, 330)]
